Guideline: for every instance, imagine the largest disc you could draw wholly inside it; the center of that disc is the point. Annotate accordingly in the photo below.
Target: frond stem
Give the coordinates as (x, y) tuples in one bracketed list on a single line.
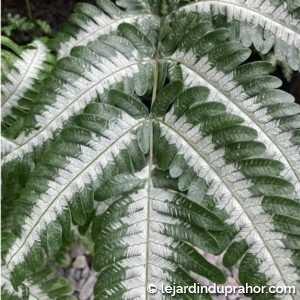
[(149, 208), (29, 10)]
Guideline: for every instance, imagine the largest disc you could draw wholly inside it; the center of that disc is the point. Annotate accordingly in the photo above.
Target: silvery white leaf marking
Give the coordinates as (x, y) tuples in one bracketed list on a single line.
[(71, 179), (20, 79), (253, 225), (238, 102)]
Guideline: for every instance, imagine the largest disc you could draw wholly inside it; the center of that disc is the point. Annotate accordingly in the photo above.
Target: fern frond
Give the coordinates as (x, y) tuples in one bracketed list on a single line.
[(254, 106), (186, 149), (194, 143), (231, 189), (20, 79), (259, 20), (104, 62), (146, 228), (88, 22), (81, 155)]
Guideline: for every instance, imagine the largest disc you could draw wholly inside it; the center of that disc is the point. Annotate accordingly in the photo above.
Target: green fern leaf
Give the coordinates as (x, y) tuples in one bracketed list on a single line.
[(167, 143), (261, 22)]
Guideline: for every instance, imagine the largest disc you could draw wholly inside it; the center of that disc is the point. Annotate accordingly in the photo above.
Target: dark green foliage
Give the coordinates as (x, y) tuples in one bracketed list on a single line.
[(155, 139)]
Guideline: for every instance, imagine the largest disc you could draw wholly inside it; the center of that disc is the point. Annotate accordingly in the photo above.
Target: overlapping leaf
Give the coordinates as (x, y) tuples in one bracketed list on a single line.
[(174, 138)]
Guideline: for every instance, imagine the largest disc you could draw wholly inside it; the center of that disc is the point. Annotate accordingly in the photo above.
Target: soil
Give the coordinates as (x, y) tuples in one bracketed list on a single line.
[(79, 272)]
